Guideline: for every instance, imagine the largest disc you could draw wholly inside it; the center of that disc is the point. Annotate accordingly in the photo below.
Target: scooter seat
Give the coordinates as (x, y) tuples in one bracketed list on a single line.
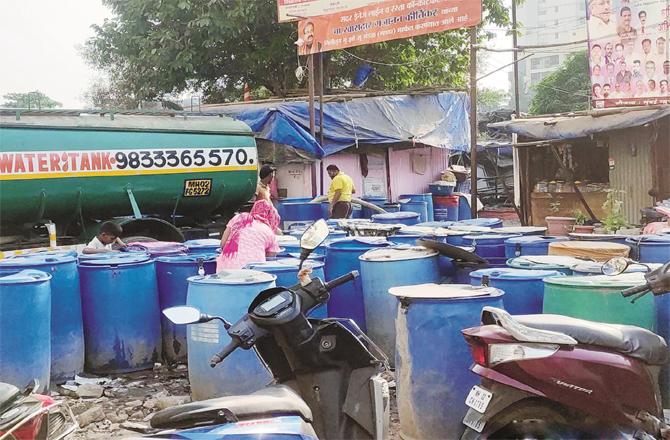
[(627, 339), (273, 401)]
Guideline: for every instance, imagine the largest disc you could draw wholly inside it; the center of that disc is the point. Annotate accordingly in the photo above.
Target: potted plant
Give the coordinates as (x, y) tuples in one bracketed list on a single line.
[(613, 206), (580, 223), (558, 225)]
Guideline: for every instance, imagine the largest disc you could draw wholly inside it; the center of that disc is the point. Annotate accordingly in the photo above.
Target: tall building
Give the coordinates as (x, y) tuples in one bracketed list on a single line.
[(544, 22)]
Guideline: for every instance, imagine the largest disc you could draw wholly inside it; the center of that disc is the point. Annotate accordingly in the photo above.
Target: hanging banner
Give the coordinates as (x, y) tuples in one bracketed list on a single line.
[(294, 10), (390, 20), (629, 58)]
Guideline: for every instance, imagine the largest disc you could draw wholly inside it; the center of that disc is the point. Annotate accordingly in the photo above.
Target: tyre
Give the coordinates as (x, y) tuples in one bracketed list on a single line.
[(532, 420)]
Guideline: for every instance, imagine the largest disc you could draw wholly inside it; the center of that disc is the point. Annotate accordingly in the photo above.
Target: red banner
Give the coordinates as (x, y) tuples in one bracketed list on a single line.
[(390, 20)]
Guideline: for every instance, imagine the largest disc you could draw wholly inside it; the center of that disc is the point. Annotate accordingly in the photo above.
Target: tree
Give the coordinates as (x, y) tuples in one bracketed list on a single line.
[(104, 94), (564, 90), (490, 99), (151, 48), (31, 100)]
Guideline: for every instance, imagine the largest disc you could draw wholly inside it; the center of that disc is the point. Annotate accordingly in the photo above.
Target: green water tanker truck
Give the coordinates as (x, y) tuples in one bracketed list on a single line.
[(164, 176)]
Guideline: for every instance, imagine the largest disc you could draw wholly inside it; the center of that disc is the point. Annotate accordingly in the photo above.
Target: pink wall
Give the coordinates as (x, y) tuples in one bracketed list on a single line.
[(405, 181)]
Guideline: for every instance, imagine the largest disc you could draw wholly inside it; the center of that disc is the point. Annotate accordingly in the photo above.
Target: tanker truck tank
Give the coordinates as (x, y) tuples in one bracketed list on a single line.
[(146, 170)]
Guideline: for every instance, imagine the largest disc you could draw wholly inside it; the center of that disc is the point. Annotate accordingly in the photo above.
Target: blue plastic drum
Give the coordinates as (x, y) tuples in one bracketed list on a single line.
[(286, 271), (226, 294), (346, 301), (122, 331), (425, 197), (205, 246), (487, 222), (558, 263), (173, 274), (529, 245), (420, 208), (300, 212), (25, 326), (375, 200), (433, 379), (522, 230), (282, 202), (382, 269), (464, 210), (396, 218), (524, 289), (651, 248), (488, 245), (67, 332), (409, 239), (436, 224)]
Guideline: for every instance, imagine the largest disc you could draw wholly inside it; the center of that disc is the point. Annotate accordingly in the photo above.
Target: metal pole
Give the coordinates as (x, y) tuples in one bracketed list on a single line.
[(516, 60), (312, 125), (473, 121), (321, 87)]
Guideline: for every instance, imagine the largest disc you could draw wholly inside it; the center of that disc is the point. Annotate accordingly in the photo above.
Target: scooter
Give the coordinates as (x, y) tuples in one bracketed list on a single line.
[(26, 415), (551, 376), (328, 372)]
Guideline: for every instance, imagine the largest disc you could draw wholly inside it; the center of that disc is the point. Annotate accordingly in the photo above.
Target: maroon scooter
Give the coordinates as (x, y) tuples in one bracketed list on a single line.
[(551, 376)]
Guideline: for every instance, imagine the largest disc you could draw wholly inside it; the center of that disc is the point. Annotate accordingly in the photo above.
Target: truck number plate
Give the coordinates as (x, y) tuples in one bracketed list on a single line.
[(474, 420), (197, 187), (479, 399)]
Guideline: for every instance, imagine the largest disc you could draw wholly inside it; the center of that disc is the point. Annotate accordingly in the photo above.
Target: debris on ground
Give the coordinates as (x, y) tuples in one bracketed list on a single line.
[(122, 406)]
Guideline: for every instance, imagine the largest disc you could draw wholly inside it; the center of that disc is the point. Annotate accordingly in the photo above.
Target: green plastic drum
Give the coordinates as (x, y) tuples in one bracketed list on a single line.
[(598, 298)]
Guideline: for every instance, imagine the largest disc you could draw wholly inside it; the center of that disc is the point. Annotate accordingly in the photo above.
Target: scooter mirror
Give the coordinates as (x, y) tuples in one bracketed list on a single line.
[(314, 235), (615, 266), (182, 315)]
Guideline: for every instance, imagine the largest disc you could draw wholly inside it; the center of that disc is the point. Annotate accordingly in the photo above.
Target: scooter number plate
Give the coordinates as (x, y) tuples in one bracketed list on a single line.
[(474, 420), (479, 399)]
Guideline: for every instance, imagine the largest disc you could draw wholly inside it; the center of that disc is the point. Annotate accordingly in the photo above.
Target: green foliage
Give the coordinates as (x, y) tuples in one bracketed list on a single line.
[(34, 99), (106, 95), (157, 47), (613, 206), (490, 99), (565, 90), (580, 217)]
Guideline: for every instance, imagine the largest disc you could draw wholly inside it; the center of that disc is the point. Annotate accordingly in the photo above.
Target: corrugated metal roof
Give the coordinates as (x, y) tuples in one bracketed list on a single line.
[(176, 122), (580, 125)]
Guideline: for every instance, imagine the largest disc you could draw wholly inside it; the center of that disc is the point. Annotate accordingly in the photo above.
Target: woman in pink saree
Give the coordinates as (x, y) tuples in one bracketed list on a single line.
[(249, 237)]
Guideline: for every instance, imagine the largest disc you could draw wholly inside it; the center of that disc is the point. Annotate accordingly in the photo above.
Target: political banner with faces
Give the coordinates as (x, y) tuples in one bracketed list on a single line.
[(629, 53)]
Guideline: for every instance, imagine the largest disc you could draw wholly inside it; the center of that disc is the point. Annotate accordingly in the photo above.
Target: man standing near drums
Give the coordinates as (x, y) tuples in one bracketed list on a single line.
[(339, 193)]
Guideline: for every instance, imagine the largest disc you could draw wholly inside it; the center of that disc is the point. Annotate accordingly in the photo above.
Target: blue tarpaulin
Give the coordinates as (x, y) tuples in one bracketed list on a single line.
[(438, 120)]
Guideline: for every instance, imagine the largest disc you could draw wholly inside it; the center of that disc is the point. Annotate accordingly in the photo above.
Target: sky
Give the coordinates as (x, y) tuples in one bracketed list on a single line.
[(40, 42), (39, 47)]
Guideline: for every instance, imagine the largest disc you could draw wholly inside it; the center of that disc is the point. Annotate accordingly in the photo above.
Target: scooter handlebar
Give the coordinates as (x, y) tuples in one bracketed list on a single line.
[(635, 290), (224, 353), (342, 280)]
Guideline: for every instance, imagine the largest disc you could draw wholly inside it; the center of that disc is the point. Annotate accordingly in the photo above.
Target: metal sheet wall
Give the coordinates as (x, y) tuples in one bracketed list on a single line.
[(630, 150)]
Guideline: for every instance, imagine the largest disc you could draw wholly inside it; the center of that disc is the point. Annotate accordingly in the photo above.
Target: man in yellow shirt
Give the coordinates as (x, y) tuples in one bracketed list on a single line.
[(339, 193)]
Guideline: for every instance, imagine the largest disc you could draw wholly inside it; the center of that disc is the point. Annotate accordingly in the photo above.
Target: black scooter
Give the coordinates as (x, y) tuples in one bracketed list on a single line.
[(328, 372)]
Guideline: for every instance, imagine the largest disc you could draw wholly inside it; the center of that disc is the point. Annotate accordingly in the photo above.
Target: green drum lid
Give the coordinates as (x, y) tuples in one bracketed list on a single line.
[(623, 281)]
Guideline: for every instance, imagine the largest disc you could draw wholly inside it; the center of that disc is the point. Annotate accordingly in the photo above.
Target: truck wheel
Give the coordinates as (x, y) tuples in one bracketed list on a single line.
[(139, 239)]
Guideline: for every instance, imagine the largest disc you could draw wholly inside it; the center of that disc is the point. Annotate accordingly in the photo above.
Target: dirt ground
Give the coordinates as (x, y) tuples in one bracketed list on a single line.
[(121, 406)]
